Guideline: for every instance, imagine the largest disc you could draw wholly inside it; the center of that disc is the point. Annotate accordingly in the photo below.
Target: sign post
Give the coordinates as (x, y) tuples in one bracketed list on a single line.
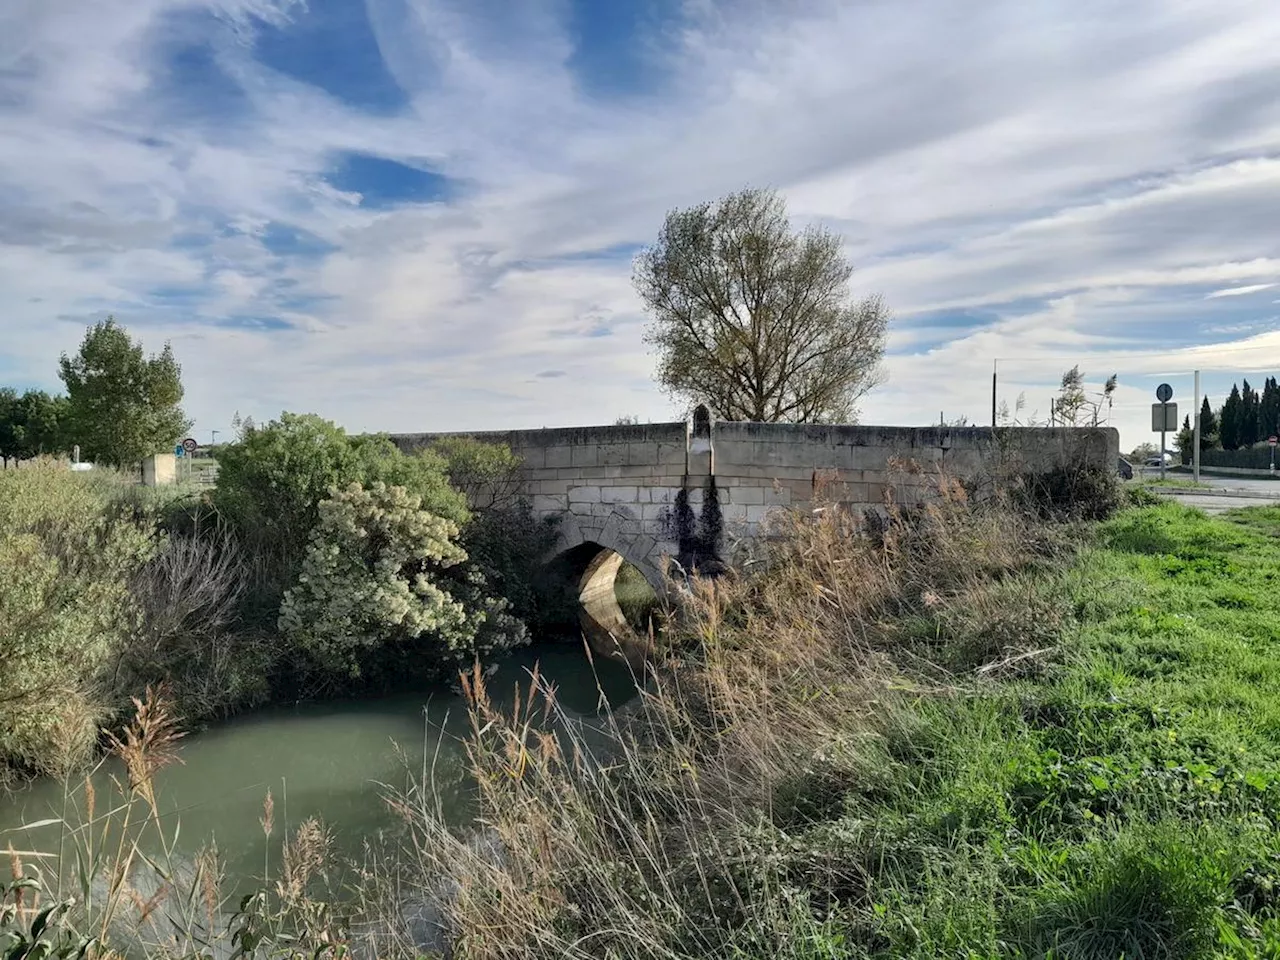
[(1160, 412), (1273, 440), (1195, 450)]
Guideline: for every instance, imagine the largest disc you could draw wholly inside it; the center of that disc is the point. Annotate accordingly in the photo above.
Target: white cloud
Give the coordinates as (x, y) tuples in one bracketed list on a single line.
[(1238, 291), (1074, 183)]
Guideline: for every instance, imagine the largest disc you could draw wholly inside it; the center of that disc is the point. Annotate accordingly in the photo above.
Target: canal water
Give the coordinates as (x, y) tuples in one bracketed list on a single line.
[(329, 760)]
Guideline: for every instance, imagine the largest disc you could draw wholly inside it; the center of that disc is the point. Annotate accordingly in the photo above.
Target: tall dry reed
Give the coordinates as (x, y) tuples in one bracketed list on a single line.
[(667, 832)]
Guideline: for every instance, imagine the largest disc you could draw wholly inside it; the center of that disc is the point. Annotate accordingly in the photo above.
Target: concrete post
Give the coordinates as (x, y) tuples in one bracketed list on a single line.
[(159, 469), (700, 457)]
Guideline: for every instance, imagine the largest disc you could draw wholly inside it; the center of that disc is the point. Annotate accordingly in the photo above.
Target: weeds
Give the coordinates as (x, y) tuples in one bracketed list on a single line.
[(956, 732), (713, 820), (959, 730)]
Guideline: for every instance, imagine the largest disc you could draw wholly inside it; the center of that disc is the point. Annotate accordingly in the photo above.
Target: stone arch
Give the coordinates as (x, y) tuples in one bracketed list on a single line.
[(638, 550), (594, 561)]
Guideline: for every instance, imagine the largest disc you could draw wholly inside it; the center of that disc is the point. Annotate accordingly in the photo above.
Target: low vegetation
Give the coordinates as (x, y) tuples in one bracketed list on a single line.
[(384, 580), (1175, 483), (64, 613), (964, 735), (965, 732)]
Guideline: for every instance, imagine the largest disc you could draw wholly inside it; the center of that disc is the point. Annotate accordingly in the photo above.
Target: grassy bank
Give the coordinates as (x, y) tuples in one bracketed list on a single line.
[(965, 733), (971, 736), (1172, 483), (1119, 804)]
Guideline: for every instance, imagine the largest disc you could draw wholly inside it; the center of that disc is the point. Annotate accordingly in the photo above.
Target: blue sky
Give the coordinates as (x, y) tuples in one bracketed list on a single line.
[(420, 214)]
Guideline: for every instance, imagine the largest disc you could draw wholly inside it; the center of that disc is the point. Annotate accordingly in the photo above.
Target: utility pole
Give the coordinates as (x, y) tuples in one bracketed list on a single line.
[(993, 393), (1195, 441)]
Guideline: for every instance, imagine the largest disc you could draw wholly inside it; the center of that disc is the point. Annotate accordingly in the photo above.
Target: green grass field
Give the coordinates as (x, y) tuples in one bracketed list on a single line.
[(1175, 483), (1123, 803)]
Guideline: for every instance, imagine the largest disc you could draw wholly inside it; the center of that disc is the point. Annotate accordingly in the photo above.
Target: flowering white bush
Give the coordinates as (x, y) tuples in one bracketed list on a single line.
[(381, 571)]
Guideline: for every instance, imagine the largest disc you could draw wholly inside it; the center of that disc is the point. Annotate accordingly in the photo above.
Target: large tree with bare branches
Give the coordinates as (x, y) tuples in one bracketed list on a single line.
[(756, 319)]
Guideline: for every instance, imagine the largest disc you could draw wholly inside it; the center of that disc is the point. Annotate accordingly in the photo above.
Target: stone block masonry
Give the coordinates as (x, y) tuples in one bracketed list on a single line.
[(655, 492)]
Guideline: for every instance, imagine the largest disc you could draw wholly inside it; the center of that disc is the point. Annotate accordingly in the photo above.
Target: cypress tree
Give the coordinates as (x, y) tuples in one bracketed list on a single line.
[(1208, 426), (1269, 409), (1248, 423), (1229, 420), (1185, 439)]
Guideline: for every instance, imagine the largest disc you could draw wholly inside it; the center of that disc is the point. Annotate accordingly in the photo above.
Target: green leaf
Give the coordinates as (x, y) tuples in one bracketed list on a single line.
[(1258, 779), (41, 922)]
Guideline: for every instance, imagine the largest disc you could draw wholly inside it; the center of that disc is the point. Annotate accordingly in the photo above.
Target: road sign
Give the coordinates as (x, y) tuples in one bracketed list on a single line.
[(1164, 418), (178, 451), (1273, 440), (190, 445)]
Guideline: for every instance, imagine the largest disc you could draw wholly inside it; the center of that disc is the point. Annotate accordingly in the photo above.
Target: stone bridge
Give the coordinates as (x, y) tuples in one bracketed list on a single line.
[(689, 492)]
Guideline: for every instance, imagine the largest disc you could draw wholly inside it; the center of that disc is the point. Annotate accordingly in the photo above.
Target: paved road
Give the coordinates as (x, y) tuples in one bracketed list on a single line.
[(1253, 485), (1252, 492)]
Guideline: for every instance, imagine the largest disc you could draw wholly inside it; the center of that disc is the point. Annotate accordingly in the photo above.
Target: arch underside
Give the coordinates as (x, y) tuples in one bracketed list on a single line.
[(609, 534), (594, 566)]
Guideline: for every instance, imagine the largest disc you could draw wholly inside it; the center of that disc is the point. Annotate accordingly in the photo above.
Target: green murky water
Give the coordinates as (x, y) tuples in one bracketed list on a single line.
[(328, 760)]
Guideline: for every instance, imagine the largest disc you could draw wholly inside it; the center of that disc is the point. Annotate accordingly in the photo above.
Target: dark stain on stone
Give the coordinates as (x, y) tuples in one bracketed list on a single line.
[(710, 530), (699, 536)]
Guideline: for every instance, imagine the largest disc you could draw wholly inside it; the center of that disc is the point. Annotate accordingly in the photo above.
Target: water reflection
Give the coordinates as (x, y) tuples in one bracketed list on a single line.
[(326, 760)]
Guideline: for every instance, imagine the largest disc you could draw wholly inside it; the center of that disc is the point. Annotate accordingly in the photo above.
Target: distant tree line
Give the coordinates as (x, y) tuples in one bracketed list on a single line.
[(1248, 417), (32, 424), (120, 404)]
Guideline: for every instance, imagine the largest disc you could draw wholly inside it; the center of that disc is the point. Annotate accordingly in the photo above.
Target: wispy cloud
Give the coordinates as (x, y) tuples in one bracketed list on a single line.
[(1238, 291), (404, 213)]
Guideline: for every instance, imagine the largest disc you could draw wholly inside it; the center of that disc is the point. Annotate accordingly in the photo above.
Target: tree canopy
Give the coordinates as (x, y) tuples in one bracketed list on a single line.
[(122, 405), (755, 319), (1208, 425), (272, 480), (31, 424), (1229, 421)]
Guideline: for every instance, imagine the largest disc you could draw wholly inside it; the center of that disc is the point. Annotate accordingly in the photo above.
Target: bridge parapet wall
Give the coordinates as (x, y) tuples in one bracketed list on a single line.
[(634, 488), (763, 464)]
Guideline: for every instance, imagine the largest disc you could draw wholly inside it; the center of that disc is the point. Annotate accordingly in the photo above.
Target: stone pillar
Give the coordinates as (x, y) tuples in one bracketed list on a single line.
[(700, 456), (159, 469)]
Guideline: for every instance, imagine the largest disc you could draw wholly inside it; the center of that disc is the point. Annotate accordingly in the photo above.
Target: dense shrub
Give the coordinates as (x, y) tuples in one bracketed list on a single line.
[(487, 474), (504, 538), (1253, 458), (188, 633), (64, 610), (271, 482), (384, 577), (1071, 492), (510, 546)]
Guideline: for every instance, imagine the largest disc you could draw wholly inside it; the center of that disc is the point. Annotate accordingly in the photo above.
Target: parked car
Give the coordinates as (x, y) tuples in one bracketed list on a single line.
[(1125, 469), (1154, 462)]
